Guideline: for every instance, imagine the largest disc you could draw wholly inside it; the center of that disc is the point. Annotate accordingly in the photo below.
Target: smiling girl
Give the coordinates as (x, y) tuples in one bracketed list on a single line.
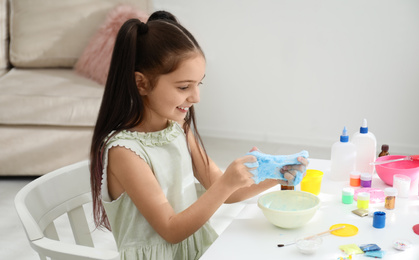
[(146, 151)]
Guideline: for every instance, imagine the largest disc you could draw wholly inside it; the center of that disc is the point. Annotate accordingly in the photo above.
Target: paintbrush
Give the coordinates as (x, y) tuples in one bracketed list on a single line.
[(310, 237)]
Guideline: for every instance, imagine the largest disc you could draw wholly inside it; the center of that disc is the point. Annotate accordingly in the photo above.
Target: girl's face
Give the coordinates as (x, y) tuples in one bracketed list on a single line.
[(174, 94)]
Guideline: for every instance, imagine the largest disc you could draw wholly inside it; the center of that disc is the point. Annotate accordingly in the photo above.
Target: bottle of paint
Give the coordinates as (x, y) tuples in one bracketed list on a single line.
[(384, 150), (366, 179), (379, 220), (366, 148), (390, 200), (347, 195), (343, 157), (355, 179), (363, 200)]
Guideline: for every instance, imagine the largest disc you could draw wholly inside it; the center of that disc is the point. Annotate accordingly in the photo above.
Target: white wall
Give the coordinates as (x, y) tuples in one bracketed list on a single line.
[(297, 71)]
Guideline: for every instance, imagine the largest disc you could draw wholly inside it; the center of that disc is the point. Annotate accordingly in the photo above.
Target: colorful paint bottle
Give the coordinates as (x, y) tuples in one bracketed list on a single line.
[(379, 220), (355, 179), (347, 195), (366, 179), (390, 200), (363, 200)]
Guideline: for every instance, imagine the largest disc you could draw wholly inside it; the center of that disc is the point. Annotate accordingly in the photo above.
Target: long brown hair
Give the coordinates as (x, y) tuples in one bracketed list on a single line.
[(154, 49)]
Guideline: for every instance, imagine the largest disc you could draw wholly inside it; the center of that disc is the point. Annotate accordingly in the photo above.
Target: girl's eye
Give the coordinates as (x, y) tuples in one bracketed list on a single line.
[(186, 87)]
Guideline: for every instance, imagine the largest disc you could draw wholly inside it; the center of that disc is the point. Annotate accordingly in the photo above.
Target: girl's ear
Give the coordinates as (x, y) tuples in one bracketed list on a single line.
[(142, 83)]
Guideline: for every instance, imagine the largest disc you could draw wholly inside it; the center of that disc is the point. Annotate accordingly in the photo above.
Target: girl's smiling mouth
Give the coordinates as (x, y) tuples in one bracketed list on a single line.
[(183, 109)]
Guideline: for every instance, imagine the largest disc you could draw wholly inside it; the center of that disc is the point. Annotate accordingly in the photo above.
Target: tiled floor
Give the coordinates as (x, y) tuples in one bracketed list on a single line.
[(13, 242)]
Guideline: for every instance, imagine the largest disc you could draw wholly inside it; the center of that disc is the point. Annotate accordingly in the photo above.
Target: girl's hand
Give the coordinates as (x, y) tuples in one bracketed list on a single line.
[(237, 174), (290, 171)]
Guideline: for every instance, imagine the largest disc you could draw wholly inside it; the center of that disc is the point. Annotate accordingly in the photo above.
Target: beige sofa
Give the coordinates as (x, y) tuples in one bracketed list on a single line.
[(47, 111)]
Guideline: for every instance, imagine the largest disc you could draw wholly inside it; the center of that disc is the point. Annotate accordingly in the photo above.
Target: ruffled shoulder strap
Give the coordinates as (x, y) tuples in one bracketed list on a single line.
[(158, 138)]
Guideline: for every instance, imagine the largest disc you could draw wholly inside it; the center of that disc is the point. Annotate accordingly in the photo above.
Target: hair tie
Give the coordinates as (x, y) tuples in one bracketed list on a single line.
[(142, 28)]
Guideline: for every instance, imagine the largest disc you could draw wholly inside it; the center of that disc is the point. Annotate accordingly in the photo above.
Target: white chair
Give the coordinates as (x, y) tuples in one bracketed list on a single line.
[(63, 191)]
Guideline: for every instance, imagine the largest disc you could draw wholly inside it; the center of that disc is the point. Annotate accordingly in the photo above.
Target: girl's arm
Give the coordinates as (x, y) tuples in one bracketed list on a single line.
[(207, 174), (128, 172)]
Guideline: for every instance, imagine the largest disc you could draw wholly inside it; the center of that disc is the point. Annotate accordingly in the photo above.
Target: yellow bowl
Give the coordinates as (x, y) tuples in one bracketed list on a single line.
[(289, 208)]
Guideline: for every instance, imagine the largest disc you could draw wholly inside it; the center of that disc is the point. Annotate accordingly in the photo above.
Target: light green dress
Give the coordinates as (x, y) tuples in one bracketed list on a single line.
[(167, 154)]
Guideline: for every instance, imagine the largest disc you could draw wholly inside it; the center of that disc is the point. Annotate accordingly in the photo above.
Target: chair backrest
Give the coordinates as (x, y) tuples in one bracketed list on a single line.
[(63, 191)]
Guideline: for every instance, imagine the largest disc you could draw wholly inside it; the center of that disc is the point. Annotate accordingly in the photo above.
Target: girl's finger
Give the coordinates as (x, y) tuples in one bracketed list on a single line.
[(249, 158), (254, 148), (251, 165), (289, 176), (299, 167), (303, 160)]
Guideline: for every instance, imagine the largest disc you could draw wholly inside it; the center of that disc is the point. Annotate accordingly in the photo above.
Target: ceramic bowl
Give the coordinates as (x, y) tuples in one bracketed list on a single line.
[(289, 208), (388, 170)]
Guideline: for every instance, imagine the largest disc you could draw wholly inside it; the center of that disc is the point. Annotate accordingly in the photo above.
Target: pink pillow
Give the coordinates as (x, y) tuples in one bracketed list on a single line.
[(95, 60)]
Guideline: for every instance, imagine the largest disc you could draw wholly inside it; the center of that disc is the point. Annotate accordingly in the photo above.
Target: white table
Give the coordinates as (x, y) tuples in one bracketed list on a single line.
[(252, 236)]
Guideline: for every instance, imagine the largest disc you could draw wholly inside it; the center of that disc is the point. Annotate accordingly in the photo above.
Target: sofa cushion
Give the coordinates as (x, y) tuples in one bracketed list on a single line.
[(95, 60), (4, 41), (51, 33), (56, 97), (36, 150)]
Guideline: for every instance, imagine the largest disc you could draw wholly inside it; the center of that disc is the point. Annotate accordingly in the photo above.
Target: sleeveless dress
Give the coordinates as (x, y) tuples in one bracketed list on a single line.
[(167, 154)]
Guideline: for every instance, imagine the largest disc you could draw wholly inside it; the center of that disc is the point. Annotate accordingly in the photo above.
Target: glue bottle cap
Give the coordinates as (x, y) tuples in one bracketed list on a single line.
[(364, 127), (344, 138)]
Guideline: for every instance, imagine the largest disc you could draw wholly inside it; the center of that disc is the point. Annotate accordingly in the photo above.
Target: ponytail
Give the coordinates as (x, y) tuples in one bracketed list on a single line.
[(121, 106)]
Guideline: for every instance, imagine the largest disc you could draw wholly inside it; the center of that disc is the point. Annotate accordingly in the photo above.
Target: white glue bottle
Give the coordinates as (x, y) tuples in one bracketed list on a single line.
[(342, 158), (366, 149)]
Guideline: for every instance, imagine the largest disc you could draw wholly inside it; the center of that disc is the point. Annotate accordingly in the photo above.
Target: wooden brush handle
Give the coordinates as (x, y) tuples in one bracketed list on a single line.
[(325, 232)]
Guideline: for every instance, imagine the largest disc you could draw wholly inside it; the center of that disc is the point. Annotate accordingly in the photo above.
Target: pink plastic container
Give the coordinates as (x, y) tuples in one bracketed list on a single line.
[(386, 171)]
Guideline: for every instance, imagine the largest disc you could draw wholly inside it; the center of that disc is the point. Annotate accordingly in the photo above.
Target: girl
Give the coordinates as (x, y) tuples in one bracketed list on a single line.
[(146, 151)]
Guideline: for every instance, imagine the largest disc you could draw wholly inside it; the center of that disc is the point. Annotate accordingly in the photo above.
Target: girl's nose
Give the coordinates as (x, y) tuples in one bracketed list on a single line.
[(194, 96)]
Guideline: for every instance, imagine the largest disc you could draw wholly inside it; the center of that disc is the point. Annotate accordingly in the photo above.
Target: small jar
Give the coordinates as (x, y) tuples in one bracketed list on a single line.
[(287, 187), (402, 184), (363, 200), (379, 220), (347, 195), (355, 180), (384, 150), (390, 201), (366, 179)]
